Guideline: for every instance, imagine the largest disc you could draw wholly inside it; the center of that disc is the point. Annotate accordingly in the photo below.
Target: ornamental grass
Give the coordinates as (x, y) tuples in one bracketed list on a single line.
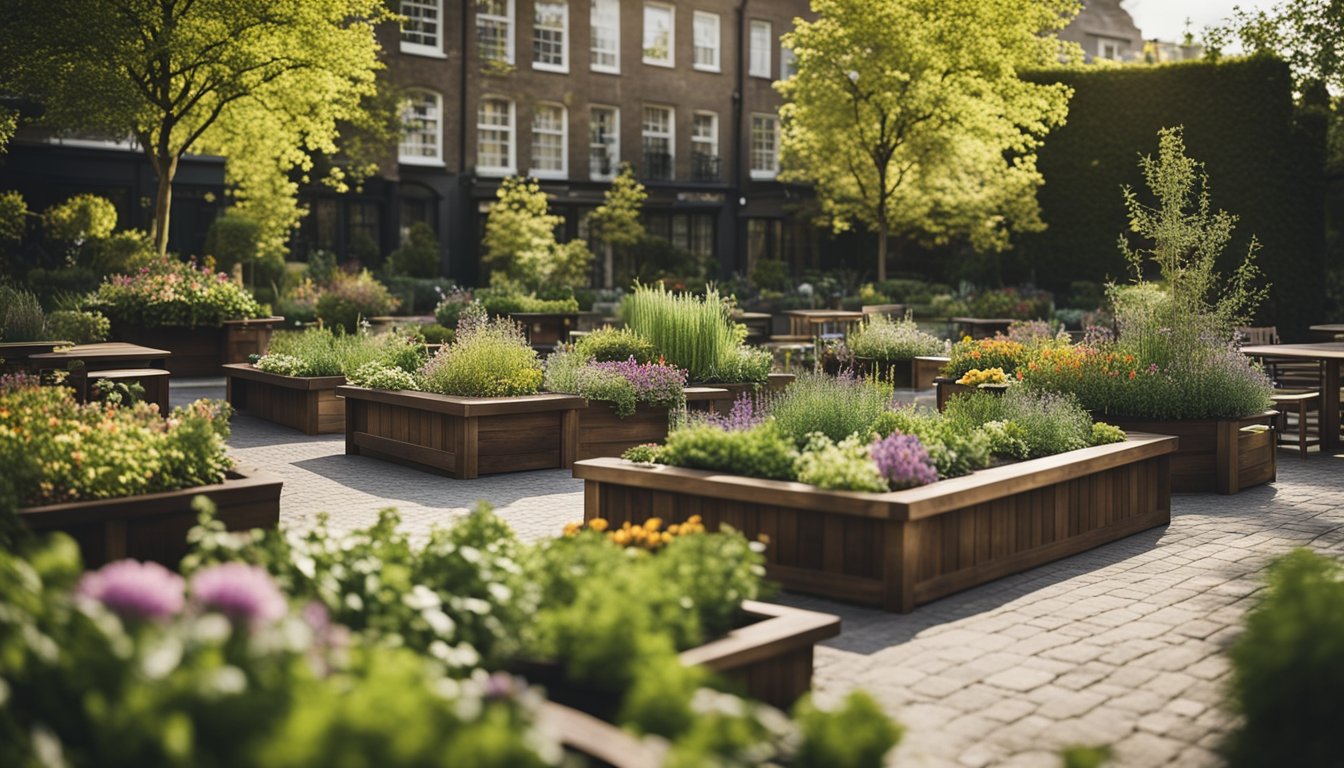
[(694, 333)]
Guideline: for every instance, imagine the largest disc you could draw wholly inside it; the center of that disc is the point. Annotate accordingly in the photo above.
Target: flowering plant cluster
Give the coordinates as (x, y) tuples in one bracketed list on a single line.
[(56, 450), (626, 384), (651, 535), (320, 352), (172, 292), (489, 357), (997, 352), (882, 339), (350, 299), (450, 306), (976, 377), (902, 461)]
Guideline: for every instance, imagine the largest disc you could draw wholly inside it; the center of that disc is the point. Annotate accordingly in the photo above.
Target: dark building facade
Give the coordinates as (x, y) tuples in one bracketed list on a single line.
[(566, 92)]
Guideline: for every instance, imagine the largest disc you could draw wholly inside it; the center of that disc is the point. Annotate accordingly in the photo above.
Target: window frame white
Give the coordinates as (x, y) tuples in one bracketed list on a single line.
[(550, 173), (512, 128), (759, 59), (511, 25), (788, 62), (696, 47), (596, 11), (671, 136), (759, 173), (422, 49), (712, 141), (612, 148), (671, 60), (563, 66), (420, 159)]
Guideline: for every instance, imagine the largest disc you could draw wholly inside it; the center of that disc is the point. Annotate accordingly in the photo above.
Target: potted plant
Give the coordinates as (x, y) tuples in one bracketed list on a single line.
[(204, 318), (121, 479), (853, 510)]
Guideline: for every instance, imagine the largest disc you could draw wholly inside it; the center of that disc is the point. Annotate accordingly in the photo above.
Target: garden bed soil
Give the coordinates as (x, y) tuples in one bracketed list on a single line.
[(203, 350), (462, 437), (1222, 456), (154, 526), (907, 548), (306, 403), (602, 433)]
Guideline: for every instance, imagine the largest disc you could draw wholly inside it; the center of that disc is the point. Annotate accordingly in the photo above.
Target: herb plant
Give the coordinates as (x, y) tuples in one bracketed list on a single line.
[(834, 406), (350, 299), (488, 358), (694, 333), (881, 338)]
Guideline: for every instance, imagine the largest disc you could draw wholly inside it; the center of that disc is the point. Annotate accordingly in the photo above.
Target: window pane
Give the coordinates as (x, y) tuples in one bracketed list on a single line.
[(548, 138), (494, 29), (494, 128), (606, 24), (603, 142), (657, 142), (422, 119), (764, 145), (421, 26), (761, 43), (657, 33), (548, 36), (706, 40)]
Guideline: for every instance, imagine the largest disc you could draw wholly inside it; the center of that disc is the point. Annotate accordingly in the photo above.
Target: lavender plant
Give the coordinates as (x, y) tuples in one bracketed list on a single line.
[(902, 461)]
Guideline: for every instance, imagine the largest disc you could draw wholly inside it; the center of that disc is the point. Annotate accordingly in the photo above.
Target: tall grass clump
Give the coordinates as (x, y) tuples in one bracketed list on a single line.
[(834, 406), (21, 316), (694, 333), (489, 358)]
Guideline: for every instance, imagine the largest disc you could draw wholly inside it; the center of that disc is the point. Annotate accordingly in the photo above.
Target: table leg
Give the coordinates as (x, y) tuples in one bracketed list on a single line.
[(1330, 407)]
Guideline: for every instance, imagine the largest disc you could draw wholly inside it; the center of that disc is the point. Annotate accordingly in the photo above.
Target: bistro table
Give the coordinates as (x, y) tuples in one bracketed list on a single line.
[(105, 356), (1333, 330), (1329, 353), (758, 325), (812, 322)]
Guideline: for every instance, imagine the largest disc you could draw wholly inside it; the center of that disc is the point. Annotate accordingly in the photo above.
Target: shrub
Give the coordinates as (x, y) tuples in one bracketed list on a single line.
[(519, 244), (56, 450), (760, 451), (233, 238), (13, 216), (954, 452), (503, 303), (843, 466), (1051, 423), (418, 256), (437, 334), (489, 358), (80, 218), (626, 384), (380, 375), (322, 352), (1007, 438), (172, 292), (1103, 434), (353, 298), (1288, 667), (1011, 302), (853, 735), (450, 306), (299, 303), (880, 338), (78, 326), (612, 344), (835, 407), (692, 333), (21, 316), (647, 453), (418, 295), (120, 253)]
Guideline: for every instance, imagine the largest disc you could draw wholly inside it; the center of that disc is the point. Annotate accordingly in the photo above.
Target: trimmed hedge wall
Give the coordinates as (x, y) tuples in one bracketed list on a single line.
[(1265, 161)]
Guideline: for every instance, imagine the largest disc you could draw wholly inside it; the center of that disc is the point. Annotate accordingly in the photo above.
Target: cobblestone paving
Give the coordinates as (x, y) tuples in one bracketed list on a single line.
[(1122, 645)]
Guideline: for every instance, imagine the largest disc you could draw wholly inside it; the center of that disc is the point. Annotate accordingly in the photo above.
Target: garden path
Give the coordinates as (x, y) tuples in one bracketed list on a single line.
[(1122, 645)]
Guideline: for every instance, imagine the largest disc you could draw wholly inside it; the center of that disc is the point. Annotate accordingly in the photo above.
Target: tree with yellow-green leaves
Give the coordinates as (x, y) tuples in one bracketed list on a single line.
[(909, 118), (266, 83)]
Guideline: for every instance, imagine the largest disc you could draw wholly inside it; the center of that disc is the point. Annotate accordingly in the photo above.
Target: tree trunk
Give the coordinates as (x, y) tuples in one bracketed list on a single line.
[(882, 250), (165, 168), (607, 265)]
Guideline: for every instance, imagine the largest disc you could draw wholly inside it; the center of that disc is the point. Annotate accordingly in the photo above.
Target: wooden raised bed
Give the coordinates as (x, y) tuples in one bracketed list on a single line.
[(546, 329), (462, 437), (945, 389), (306, 403), (1215, 456), (203, 350), (898, 373), (906, 548), (602, 433), (154, 526), (927, 369), (777, 382)]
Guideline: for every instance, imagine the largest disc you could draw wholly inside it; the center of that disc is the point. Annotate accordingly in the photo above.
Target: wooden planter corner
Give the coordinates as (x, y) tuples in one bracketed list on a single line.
[(601, 432), (306, 403), (154, 526), (462, 437), (203, 350), (906, 548), (927, 369), (1223, 456)]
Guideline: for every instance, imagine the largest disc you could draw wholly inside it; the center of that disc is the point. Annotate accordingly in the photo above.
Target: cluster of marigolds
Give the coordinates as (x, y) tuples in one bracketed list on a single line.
[(651, 535)]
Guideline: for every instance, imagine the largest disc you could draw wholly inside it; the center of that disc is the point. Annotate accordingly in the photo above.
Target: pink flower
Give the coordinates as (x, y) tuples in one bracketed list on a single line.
[(134, 590), (241, 592)]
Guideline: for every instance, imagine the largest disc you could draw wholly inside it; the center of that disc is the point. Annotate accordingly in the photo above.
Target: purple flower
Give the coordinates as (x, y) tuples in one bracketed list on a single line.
[(903, 461), (654, 383), (241, 592), (742, 416), (134, 590)]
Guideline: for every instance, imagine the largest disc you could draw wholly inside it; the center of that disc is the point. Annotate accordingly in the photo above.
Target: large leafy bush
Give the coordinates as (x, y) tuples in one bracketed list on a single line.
[(350, 299), (489, 357), (173, 292)]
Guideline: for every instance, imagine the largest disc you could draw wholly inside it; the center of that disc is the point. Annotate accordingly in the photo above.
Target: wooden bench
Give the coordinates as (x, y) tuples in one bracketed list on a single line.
[(154, 381), (1299, 404)]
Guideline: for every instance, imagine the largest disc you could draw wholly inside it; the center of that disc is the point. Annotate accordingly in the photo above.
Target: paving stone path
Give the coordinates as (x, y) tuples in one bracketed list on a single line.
[(1122, 645)]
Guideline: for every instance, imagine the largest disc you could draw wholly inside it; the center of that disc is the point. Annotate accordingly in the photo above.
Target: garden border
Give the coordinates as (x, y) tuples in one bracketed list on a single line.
[(306, 403)]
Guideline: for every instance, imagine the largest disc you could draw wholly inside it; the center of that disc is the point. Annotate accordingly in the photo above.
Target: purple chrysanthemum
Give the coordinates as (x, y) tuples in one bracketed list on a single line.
[(903, 461), (241, 592), (134, 590)]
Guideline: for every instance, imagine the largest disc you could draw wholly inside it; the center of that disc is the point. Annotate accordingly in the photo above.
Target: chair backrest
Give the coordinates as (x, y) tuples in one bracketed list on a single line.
[(1252, 335)]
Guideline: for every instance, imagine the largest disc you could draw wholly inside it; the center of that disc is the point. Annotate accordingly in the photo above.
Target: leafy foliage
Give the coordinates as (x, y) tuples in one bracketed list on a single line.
[(322, 352), (694, 333), (1050, 423), (760, 451), (21, 316), (520, 247), (173, 292), (418, 256), (82, 217), (842, 466), (609, 344), (78, 326), (350, 299), (835, 407), (488, 358), (881, 338), (954, 451)]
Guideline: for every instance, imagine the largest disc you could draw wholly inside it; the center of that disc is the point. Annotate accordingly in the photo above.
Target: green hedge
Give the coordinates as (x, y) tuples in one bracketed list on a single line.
[(1264, 160)]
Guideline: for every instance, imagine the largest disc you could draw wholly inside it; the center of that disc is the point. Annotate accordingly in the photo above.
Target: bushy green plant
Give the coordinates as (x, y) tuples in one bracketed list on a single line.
[(835, 407), (350, 299), (80, 218), (56, 450), (418, 295), (1103, 434), (843, 466), (120, 253), (506, 302), (520, 247), (21, 316), (1007, 438), (1051, 423), (322, 352), (648, 453), (881, 338), (435, 333), (609, 344), (489, 358), (853, 735), (78, 326), (380, 375), (692, 333), (418, 256), (233, 238), (1013, 303), (761, 451), (173, 292), (954, 451), (450, 306), (13, 216)]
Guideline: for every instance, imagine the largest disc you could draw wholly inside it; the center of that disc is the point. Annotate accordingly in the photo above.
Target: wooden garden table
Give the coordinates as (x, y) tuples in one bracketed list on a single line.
[(1330, 354), (104, 356), (1329, 329), (810, 322)]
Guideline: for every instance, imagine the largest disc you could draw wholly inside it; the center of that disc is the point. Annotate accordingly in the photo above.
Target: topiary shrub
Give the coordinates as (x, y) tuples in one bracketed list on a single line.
[(81, 218), (418, 256)]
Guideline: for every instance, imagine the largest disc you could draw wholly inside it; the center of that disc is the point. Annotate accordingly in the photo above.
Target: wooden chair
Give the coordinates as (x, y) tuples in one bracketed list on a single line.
[(1298, 404), (1286, 373)]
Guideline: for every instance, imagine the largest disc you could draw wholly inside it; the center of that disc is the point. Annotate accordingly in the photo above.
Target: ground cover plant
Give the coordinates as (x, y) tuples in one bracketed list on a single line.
[(173, 292), (694, 333), (626, 384), (881, 338), (324, 352)]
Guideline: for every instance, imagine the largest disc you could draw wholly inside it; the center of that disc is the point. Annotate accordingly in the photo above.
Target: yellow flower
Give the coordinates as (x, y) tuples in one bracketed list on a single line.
[(653, 523), (597, 524), (572, 529)]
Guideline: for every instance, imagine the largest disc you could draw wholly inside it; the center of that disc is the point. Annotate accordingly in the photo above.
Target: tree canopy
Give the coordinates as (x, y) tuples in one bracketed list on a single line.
[(1307, 34), (264, 82), (520, 247), (616, 221), (908, 116)]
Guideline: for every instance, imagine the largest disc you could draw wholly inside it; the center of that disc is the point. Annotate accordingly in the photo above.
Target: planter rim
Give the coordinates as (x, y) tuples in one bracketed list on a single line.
[(464, 406), (911, 504), (1255, 418), (147, 504), (252, 373), (778, 625), (246, 321)]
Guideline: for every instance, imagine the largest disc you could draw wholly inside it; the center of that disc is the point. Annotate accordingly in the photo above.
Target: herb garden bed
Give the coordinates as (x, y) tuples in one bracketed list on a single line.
[(203, 350), (306, 403), (775, 383), (154, 526), (603, 433), (1215, 455), (902, 549), (463, 437)]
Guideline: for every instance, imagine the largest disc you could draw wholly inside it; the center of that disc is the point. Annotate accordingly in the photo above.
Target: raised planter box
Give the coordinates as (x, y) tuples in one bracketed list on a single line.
[(602, 433), (154, 526), (203, 350), (945, 389), (906, 548), (777, 382), (306, 403), (898, 373), (462, 437), (547, 329), (927, 369), (1215, 456)]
